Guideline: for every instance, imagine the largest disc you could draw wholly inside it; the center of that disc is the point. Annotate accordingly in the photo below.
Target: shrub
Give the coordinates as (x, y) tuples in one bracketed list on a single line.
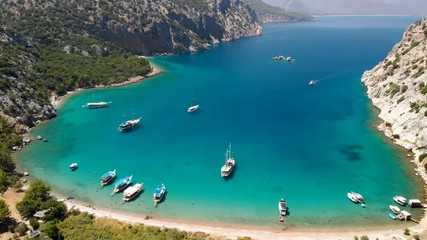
[(393, 89), (400, 99), (22, 229), (395, 136), (34, 223), (406, 231), (422, 156), (404, 88), (387, 124)]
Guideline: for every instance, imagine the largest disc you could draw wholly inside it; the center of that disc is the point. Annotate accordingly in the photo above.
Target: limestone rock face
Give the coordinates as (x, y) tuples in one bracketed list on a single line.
[(397, 86)]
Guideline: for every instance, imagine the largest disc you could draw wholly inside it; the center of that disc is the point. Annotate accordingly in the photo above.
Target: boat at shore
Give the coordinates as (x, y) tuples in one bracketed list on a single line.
[(395, 209), (132, 191), (283, 207), (159, 193), (400, 200), (107, 177), (230, 162), (73, 166), (122, 184), (129, 124)]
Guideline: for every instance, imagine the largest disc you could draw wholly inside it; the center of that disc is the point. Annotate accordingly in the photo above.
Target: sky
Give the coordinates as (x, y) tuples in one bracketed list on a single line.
[(393, 7)]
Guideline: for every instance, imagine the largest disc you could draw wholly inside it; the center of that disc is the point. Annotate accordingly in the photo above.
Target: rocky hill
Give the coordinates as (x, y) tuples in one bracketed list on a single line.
[(398, 87), (145, 26), (54, 46)]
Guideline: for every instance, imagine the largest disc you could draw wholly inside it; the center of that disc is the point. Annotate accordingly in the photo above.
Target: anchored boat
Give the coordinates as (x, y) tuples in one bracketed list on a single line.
[(283, 208), (107, 177), (129, 124), (159, 193), (132, 191), (122, 184), (228, 167)]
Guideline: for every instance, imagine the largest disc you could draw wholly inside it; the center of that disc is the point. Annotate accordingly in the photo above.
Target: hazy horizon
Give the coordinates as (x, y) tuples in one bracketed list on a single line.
[(369, 7)]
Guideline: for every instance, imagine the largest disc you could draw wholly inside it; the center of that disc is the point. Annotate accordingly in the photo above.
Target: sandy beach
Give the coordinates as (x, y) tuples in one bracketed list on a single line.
[(235, 232)]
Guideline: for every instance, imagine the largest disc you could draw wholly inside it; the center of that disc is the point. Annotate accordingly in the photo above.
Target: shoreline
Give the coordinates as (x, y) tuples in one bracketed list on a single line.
[(57, 101), (242, 231)]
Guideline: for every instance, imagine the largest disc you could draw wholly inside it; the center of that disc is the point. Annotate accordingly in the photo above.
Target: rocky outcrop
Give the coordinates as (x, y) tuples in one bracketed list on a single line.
[(397, 86)]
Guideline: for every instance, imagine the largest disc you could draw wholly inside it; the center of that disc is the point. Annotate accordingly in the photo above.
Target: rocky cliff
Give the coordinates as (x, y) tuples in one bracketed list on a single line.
[(397, 86)]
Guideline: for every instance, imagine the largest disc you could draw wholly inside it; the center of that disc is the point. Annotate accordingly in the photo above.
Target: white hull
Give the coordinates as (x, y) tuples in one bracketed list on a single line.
[(283, 207), (131, 192), (193, 108), (93, 105), (230, 163), (352, 197), (73, 166), (228, 167), (400, 200), (395, 209), (129, 124)]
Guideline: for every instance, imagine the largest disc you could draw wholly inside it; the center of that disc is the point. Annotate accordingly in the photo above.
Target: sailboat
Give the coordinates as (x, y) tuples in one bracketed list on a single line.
[(228, 167), (94, 104), (193, 106)]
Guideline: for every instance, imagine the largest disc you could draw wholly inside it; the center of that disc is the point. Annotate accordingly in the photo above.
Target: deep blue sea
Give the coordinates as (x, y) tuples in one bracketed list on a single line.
[(308, 144)]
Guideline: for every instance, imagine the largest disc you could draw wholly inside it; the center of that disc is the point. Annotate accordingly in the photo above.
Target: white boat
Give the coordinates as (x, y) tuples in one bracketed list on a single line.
[(159, 193), (400, 200), (107, 177), (132, 191), (228, 167), (129, 124), (122, 184), (73, 166), (312, 82), (395, 209), (283, 208), (193, 108), (94, 104)]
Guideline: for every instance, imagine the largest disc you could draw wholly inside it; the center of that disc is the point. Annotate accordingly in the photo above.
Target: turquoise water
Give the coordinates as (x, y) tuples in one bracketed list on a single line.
[(310, 145)]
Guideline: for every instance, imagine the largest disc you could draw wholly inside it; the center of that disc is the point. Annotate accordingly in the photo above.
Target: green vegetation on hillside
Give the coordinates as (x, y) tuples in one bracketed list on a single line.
[(84, 62), (8, 139)]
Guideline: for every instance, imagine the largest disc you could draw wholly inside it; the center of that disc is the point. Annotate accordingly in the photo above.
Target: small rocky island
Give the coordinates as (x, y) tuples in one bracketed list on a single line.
[(397, 86)]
